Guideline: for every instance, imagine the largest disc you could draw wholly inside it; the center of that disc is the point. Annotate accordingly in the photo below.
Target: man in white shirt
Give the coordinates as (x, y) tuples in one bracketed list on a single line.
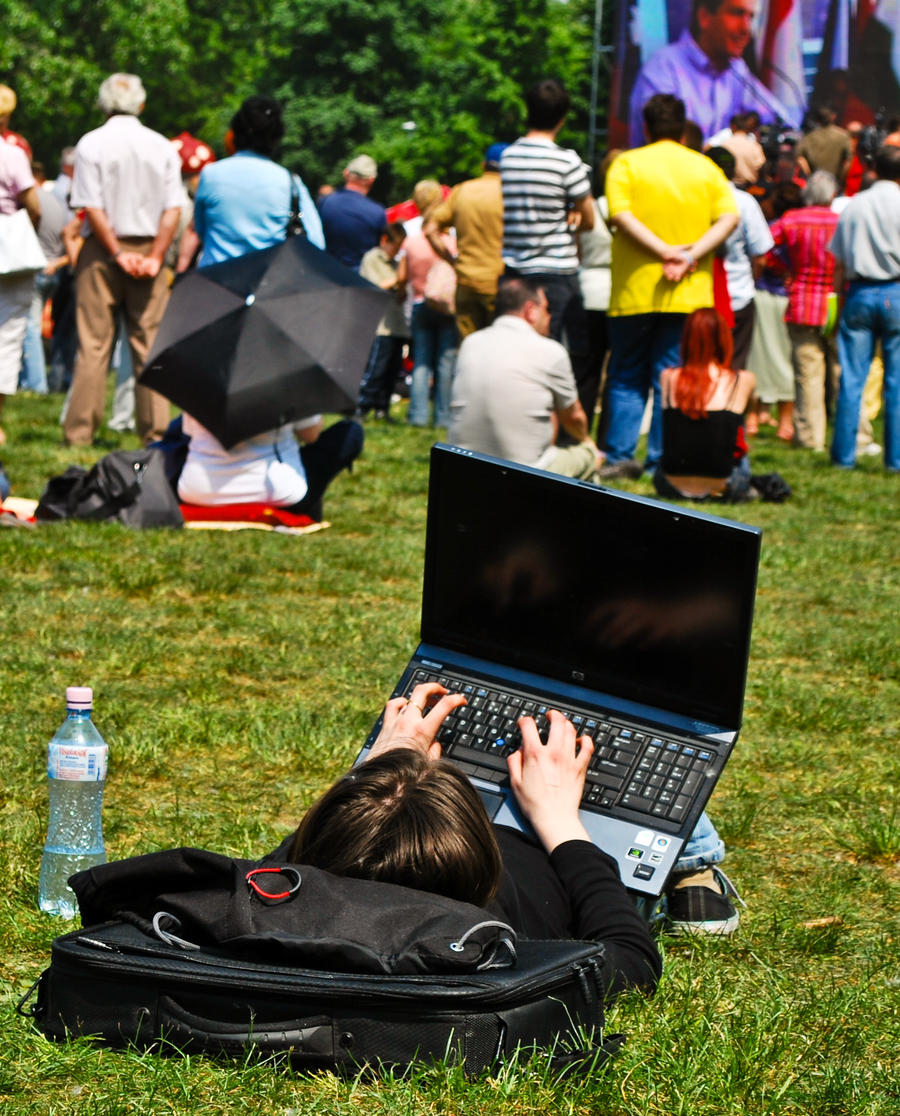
[(513, 388), (705, 68), (128, 181), (747, 245)]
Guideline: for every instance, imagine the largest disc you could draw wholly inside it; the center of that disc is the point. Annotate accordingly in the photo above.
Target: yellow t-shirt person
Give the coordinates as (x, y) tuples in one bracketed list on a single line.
[(677, 193)]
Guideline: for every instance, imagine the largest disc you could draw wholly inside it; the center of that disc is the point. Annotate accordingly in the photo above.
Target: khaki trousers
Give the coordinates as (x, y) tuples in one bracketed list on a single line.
[(474, 309), (814, 356), (101, 288), (817, 377), (571, 461)]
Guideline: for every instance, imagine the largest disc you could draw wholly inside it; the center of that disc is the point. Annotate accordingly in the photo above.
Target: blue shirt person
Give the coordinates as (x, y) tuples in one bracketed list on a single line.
[(242, 204), (353, 223)]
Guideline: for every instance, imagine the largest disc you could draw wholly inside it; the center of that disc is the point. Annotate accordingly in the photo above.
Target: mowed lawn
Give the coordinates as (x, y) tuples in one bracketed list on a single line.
[(235, 675)]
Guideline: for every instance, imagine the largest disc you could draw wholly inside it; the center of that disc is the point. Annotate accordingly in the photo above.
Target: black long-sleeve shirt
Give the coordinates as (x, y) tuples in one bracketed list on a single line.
[(575, 892)]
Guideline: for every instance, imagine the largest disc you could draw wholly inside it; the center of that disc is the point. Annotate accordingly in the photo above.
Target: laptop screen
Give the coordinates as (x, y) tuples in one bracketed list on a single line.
[(634, 598)]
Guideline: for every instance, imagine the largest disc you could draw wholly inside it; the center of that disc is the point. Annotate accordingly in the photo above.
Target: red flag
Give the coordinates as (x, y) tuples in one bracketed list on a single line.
[(781, 63)]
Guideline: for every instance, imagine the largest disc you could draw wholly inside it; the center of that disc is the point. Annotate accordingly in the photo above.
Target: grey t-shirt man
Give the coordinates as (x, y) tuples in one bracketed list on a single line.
[(509, 382)]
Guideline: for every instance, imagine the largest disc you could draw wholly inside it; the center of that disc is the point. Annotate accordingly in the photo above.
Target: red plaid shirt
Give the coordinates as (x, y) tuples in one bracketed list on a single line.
[(801, 236)]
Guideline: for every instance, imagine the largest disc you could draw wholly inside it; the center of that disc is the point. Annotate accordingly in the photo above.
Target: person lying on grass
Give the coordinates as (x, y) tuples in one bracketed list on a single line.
[(407, 816)]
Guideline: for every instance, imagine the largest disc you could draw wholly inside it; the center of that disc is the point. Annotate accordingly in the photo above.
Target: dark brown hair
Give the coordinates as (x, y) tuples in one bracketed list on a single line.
[(395, 232), (724, 160), (513, 293), (664, 117), (404, 819), (258, 126), (547, 102), (711, 6), (887, 162)]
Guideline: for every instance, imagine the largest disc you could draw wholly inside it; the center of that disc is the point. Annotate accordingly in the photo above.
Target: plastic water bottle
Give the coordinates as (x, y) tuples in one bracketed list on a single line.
[(76, 771)]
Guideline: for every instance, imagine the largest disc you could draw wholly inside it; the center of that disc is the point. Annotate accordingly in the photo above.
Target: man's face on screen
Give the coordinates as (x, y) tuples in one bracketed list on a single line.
[(726, 32)]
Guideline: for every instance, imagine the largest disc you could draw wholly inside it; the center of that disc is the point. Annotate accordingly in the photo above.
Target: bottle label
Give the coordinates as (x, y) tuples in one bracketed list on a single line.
[(79, 763)]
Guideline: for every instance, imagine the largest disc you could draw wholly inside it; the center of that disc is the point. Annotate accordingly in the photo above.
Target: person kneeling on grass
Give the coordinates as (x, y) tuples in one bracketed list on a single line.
[(704, 455), (277, 468), (703, 411)]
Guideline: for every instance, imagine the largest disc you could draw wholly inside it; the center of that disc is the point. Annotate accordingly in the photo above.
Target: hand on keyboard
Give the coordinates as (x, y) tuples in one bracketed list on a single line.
[(415, 722), (548, 779)]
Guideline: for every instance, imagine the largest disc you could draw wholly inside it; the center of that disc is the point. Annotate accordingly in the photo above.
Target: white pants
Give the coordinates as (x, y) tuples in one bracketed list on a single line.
[(15, 304)]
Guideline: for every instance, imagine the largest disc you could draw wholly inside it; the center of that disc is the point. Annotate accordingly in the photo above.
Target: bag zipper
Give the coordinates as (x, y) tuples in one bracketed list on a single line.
[(455, 988)]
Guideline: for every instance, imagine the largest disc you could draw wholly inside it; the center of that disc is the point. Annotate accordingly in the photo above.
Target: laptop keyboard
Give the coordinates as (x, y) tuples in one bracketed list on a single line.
[(631, 769)]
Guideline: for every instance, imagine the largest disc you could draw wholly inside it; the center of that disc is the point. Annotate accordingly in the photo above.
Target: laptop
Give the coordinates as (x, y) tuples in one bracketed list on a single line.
[(630, 615)]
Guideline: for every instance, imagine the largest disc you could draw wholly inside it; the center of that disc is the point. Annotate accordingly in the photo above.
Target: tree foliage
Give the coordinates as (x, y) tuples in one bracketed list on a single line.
[(350, 73)]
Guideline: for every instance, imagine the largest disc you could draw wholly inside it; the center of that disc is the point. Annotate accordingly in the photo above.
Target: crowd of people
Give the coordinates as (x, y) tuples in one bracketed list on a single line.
[(609, 266), (682, 225)]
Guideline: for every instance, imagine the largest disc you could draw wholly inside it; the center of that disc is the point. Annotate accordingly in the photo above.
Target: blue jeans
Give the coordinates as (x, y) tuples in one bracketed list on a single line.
[(33, 373), (122, 417), (641, 346), (64, 342), (704, 847), (872, 311), (384, 363), (434, 341)]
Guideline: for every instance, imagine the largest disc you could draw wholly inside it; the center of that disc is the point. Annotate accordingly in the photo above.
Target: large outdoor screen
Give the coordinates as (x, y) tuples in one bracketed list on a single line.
[(845, 53)]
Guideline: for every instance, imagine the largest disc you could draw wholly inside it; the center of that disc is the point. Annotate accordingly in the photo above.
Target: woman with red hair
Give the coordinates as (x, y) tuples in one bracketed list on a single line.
[(704, 455)]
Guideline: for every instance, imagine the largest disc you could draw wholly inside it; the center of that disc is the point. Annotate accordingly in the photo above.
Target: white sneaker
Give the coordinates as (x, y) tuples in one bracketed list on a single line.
[(871, 449)]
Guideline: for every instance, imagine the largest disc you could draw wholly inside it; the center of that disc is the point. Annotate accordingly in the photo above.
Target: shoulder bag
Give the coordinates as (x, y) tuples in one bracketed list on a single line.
[(20, 250)]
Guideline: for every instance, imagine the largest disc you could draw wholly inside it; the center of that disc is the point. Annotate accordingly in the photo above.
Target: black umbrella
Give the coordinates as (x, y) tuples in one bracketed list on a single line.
[(252, 343)]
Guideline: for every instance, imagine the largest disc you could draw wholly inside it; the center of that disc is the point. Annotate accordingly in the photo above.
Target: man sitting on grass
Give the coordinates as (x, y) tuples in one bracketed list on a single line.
[(514, 389)]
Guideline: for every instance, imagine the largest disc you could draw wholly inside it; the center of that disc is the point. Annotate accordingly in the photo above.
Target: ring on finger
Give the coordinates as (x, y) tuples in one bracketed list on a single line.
[(416, 705)]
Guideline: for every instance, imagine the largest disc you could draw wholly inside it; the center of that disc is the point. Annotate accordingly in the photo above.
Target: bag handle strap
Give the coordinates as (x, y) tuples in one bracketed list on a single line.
[(295, 221)]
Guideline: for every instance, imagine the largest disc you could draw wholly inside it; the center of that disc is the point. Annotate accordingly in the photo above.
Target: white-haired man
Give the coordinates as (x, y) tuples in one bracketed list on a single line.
[(128, 181)]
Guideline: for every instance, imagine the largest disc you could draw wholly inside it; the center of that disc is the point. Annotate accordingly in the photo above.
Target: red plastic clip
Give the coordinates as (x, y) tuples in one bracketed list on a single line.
[(285, 870)]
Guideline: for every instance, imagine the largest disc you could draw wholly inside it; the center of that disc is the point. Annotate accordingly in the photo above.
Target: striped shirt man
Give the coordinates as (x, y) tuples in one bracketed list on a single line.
[(801, 238), (541, 181)]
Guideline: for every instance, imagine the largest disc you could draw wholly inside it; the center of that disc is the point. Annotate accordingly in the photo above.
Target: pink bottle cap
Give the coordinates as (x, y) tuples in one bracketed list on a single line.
[(79, 697)]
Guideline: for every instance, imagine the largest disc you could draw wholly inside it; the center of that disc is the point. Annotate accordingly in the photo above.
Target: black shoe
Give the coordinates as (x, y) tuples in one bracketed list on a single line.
[(701, 910), (630, 470), (313, 508)]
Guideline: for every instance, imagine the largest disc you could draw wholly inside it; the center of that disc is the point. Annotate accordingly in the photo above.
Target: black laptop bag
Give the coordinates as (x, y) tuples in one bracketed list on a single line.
[(120, 985), (200, 952)]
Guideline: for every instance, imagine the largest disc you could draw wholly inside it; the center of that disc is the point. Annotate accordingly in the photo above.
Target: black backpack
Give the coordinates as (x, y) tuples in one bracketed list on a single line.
[(127, 485)]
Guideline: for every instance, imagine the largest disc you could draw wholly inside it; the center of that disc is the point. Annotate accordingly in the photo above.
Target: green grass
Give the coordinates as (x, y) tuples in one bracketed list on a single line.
[(235, 676)]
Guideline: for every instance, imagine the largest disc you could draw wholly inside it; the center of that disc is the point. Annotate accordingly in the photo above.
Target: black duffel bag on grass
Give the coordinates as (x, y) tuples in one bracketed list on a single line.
[(129, 486)]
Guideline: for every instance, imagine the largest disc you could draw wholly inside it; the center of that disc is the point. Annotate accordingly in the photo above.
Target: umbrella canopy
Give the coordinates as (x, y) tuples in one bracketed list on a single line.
[(264, 339)]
